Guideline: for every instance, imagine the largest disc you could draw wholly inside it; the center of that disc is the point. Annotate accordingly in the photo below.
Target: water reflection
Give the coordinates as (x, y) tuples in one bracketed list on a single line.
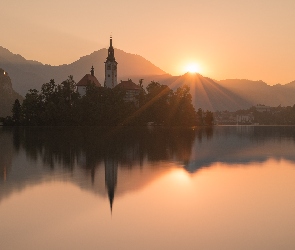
[(243, 145), (111, 172), (32, 155), (55, 152), (90, 146), (95, 188)]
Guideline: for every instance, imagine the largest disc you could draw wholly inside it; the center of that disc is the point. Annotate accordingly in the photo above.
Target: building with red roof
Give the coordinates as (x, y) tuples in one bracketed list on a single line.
[(131, 89), (86, 80)]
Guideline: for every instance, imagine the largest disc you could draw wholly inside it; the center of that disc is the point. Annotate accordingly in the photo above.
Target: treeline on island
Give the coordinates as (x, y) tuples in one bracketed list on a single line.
[(275, 116), (62, 105)]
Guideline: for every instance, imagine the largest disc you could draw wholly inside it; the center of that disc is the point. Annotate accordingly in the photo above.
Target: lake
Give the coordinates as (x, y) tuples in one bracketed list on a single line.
[(227, 187)]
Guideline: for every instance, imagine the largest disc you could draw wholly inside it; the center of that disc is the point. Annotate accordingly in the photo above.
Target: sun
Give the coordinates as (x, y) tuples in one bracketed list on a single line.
[(193, 68)]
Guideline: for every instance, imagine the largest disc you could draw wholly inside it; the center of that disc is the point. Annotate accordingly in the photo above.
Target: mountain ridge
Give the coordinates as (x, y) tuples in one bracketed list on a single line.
[(26, 74), (229, 94)]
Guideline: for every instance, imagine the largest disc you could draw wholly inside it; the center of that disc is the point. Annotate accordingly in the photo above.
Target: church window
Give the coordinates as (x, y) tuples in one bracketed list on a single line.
[(108, 75), (109, 67)]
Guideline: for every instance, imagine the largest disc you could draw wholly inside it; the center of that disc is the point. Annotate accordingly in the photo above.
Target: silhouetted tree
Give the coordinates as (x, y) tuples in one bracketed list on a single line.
[(16, 112), (182, 111), (157, 103), (61, 104), (208, 119), (32, 108), (200, 121)]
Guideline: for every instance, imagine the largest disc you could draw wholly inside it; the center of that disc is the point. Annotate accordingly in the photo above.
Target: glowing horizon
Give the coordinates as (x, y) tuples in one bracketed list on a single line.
[(193, 68), (222, 37)]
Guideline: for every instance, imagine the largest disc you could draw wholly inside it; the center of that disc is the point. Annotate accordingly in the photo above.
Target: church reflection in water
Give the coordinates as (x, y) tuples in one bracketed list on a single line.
[(111, 172), (95, 151), (110, 162)]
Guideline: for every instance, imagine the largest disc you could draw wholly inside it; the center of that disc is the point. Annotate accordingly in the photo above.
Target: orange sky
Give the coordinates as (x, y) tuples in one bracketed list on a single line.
[(226, 38)]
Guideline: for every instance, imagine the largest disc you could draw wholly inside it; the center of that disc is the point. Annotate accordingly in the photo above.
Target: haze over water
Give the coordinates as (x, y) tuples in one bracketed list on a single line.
[(77, 188)]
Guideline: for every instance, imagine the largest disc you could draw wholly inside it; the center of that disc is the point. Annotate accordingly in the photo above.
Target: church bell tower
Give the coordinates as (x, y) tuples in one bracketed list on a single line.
[(110, 68)]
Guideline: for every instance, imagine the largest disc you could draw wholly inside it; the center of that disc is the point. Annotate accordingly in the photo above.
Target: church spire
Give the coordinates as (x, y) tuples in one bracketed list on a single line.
[(110, 67), (92, 71), (111, 53)]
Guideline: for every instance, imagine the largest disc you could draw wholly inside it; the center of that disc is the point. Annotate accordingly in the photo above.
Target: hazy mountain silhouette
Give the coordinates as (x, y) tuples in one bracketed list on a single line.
[(208, 94), (258, 92), (291, 84), (28, 74), (7, 94), (232, 94)]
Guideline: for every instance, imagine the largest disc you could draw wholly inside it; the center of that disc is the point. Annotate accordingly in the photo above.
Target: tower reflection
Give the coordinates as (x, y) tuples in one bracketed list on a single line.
[(111, 172), (92, 149)]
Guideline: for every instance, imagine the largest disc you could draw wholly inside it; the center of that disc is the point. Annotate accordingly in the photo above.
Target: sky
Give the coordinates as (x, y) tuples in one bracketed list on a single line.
[(224, 39)]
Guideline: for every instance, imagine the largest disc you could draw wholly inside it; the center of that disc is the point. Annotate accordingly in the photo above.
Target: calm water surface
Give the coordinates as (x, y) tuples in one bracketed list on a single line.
[(90, 188)]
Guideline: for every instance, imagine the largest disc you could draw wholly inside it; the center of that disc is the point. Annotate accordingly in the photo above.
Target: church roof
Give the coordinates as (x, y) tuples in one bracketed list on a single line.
[(128, 85), (88, 78)]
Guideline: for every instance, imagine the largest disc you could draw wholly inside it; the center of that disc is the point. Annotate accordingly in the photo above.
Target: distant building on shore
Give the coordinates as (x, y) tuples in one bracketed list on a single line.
[(245, 118), (262, 108)]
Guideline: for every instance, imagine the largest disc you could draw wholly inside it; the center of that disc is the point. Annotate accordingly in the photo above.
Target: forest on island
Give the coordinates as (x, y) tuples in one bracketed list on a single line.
[(62, 105)]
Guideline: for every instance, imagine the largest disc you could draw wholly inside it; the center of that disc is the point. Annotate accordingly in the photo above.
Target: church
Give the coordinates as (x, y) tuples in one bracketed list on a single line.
[(110, 80)]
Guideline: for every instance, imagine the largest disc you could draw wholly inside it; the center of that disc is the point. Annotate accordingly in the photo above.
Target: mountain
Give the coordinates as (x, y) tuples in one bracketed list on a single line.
[(28, 74), (7, 94), (258, 92), (208, 94), (291, 85), (230, 94)]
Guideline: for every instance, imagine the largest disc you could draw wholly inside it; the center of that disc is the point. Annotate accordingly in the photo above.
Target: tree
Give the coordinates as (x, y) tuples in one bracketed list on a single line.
[(182, 111), (208, 119), (49, 97), (16, 112), (200, 121), (67, 99), (32, 108), (61, 104), (157, 103), (48, 91)]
